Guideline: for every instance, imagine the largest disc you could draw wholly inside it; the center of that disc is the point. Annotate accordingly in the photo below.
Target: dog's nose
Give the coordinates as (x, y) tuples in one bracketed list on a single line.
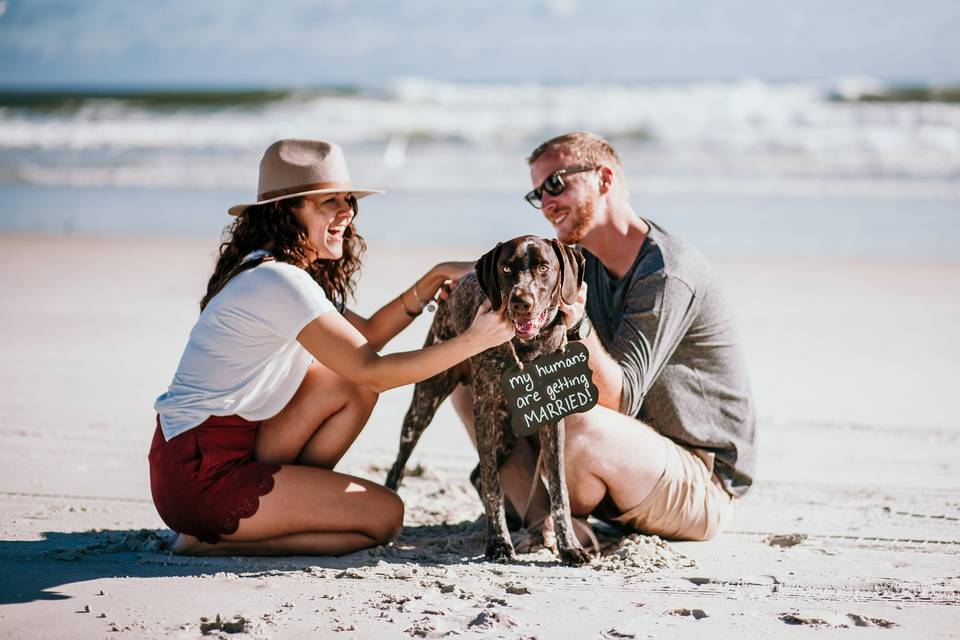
[(521, 302)]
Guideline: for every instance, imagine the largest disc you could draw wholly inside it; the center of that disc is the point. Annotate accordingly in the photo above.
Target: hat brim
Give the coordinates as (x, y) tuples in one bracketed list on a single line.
[(237, 209)]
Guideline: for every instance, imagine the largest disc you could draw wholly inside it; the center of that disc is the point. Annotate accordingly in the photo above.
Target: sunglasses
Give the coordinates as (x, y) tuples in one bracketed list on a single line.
[(554, 184)]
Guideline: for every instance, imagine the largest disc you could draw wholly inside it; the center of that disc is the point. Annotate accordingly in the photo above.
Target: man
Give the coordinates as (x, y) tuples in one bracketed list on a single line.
[(671, 443)]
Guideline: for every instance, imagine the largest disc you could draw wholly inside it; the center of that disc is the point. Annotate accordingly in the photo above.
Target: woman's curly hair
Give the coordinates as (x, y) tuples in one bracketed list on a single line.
[(276, 225)]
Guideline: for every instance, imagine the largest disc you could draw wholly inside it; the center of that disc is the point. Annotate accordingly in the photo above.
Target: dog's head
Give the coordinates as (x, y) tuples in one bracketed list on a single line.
[(529, 276)]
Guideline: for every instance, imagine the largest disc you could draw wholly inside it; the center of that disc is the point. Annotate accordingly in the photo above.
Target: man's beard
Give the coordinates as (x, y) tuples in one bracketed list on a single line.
[(582, 221)]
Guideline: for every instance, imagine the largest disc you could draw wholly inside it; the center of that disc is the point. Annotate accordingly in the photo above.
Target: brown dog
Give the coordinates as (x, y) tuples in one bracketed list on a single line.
[(528, 277)]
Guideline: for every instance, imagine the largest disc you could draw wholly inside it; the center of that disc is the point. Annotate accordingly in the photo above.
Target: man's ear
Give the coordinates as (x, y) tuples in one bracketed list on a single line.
[(606, 178), (571, 270), (487, 276)]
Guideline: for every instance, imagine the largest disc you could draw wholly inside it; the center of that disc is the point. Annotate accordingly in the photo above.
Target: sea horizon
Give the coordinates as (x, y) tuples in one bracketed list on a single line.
[(894, 85)]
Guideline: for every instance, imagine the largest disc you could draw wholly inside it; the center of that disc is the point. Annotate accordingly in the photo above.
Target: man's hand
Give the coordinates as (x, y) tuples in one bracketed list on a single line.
[(573, 313)]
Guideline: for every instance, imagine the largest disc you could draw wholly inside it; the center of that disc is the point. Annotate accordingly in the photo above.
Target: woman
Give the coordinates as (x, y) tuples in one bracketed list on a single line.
[(250, 429)]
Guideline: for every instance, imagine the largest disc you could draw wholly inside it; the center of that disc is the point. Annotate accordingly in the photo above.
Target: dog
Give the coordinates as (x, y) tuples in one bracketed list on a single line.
[(527, 277)]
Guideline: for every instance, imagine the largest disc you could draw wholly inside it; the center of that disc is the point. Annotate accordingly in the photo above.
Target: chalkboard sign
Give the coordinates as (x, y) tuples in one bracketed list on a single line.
[(548, 389)]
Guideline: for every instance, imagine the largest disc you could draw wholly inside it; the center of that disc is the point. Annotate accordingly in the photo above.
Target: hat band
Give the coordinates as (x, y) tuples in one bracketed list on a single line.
[(314, 186)]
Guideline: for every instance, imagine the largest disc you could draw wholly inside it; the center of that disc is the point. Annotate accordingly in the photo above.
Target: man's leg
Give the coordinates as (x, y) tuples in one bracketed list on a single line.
[(608, 453), (604, 451), (621, 465), (626, 473)]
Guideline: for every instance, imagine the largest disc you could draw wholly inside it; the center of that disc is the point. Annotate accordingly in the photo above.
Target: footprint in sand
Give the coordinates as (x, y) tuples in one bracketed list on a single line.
[(785, 539), (834, 620)]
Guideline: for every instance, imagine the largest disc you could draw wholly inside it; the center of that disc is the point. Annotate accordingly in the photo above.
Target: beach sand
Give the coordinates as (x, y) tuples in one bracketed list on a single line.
[(854, 521)]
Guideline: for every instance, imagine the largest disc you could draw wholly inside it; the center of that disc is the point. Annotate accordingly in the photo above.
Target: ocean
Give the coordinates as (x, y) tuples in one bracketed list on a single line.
[(847, 166)]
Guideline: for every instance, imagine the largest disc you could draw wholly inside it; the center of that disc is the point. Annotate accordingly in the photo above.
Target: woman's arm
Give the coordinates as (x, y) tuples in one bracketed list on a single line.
[(337, 344), (396, 315)]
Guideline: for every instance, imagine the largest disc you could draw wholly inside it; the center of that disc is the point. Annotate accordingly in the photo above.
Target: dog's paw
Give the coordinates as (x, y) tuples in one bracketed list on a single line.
[(500, 550), (574, 556)]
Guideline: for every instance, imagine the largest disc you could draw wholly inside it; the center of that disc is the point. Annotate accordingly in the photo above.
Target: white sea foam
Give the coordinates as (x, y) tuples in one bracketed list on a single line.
[(418, 134)]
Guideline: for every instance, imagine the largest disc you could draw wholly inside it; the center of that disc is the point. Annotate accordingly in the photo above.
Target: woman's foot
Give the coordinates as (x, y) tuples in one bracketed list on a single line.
[(185, 545)]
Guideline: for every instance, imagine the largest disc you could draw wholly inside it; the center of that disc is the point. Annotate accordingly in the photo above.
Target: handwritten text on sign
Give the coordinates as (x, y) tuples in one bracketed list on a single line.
[(548, 389)]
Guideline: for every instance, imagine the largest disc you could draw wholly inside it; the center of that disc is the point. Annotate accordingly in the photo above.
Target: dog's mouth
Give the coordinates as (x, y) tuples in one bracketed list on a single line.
[(528, 328)]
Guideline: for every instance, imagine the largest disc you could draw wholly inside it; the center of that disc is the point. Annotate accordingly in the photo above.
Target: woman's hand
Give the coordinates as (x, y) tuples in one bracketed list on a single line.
[(454, 270), (573, 313), (450, 274), (489, 328)]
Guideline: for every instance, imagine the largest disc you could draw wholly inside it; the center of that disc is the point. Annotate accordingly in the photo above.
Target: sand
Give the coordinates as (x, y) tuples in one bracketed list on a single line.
[(853, 526)]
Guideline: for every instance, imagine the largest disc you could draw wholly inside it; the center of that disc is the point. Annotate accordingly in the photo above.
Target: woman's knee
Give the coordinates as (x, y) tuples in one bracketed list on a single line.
[(365, 397), (388, 523), (353, 395)]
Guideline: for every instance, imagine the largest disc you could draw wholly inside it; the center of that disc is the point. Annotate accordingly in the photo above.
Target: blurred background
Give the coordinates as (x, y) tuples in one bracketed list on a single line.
[(820, 127)]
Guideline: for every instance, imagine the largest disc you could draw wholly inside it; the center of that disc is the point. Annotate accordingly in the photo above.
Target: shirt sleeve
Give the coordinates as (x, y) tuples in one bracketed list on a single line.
[(658, 312), (286, 298)]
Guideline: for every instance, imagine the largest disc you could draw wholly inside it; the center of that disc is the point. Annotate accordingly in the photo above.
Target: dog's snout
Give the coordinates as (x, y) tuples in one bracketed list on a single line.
[(521, 301)]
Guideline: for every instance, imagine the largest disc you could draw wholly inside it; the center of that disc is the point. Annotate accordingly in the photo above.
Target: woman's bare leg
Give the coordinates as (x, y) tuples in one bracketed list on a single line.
[(310, 511), (297, 544), (319, 423)]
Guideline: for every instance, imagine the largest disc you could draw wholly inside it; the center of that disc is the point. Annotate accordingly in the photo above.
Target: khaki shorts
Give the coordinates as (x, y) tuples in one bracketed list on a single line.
[(687, 503)]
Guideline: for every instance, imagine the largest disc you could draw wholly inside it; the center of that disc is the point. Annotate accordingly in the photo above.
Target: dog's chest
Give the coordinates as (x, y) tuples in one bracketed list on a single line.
[(488, 367)]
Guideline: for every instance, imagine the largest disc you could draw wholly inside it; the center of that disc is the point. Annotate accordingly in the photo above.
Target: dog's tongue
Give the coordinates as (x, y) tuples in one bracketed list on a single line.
[(524, 326)]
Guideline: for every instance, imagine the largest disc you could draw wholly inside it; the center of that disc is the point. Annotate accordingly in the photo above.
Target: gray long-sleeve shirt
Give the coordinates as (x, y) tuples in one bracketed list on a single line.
[(668, 326)]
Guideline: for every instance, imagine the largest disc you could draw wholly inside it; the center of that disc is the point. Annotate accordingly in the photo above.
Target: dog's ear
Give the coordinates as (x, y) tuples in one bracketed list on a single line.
[(487, 276), (571, 270)]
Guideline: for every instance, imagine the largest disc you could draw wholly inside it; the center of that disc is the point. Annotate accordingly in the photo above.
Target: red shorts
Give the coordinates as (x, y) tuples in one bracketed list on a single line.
[(205, 479)]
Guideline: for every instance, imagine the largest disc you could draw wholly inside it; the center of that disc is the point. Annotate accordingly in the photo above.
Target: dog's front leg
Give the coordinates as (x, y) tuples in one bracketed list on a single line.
[(551, 444), (499, 545)]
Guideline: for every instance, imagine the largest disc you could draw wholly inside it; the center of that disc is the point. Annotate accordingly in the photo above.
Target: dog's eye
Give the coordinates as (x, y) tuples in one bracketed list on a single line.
[(505, 269), (543, 268)]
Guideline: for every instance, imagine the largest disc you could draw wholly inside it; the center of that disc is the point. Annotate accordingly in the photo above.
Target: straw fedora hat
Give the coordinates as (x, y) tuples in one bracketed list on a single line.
[(299, 167)]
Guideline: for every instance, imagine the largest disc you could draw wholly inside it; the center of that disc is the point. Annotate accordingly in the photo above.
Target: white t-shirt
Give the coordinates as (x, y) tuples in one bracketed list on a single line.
[(243, 357)]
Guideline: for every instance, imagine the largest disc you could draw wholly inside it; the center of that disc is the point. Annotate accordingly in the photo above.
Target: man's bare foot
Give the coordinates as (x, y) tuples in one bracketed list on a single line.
[(529, 539), (581, 528)]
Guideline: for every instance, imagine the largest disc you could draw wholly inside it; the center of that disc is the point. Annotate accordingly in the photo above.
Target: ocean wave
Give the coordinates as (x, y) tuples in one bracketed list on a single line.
[(858, 89), (469, 133), (452, 173)]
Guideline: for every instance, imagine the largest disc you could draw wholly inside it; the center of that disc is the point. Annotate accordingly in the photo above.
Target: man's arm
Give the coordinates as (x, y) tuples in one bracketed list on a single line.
[(659, 311), (607, 374)]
